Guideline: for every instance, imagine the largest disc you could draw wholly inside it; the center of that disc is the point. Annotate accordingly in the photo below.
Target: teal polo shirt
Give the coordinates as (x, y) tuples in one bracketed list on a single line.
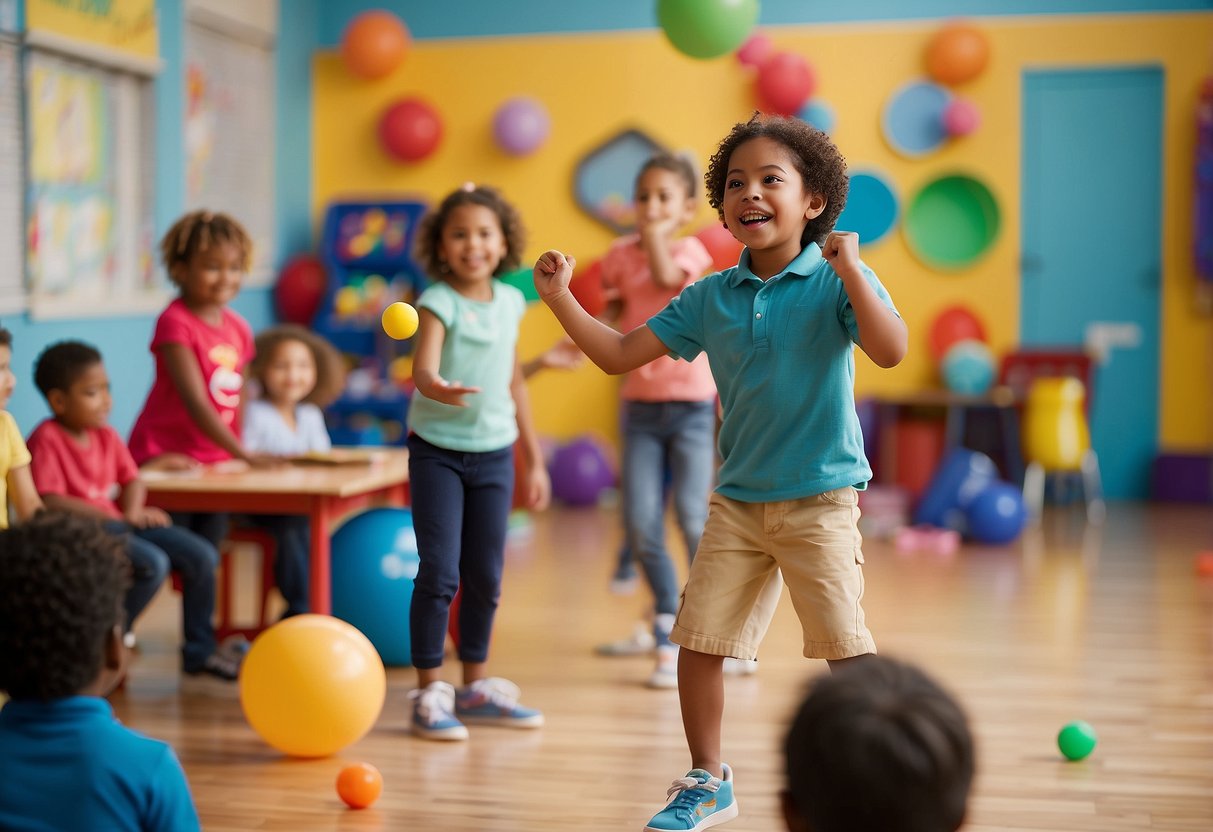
[(781, 352)]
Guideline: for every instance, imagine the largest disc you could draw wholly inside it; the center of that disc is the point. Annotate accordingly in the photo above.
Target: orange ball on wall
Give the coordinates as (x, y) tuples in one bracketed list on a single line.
[(957, 53), (374, 44)]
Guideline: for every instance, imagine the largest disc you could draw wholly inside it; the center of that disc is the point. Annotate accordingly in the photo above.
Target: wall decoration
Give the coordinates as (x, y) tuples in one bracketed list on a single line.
[(871, 209), (912, 121), (952, 222), (820, 114), (602, 183), (125, 27)]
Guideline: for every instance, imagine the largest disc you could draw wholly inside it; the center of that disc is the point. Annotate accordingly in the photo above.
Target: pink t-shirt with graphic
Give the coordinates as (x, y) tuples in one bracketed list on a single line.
[(626, 277), (222, 352), (94, 470)]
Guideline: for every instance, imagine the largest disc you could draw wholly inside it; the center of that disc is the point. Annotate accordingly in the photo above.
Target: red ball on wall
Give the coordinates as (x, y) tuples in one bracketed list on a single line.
[(410, 130), (784, 83)]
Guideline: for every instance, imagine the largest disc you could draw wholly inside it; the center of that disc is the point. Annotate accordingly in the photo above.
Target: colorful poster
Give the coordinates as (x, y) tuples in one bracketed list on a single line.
[(127, 26)]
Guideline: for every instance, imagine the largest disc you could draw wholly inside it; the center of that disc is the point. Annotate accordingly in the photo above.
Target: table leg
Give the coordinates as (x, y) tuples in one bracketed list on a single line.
[(321, 583)]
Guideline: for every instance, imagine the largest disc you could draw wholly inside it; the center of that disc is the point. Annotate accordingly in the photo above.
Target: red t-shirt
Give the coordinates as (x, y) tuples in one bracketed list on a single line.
[(95, 470), (222, 352)]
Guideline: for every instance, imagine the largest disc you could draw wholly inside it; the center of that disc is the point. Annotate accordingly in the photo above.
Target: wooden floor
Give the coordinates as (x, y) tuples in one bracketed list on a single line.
[(1109, 625)]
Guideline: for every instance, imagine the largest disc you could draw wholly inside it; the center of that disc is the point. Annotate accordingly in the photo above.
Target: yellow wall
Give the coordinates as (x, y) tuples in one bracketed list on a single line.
[(595, 85)]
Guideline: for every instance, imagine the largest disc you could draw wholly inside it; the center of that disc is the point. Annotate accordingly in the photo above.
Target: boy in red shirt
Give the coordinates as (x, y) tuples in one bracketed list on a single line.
[(81, 465)]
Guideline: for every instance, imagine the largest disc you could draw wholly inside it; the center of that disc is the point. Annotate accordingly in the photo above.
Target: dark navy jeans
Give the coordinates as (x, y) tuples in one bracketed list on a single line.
[(461, 507)]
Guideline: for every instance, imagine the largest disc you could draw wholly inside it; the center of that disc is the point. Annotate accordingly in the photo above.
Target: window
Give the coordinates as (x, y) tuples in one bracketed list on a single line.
[(12, 269)]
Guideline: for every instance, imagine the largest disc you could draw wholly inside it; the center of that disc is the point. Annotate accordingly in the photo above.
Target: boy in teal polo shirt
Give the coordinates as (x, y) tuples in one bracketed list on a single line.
[(778, 329)]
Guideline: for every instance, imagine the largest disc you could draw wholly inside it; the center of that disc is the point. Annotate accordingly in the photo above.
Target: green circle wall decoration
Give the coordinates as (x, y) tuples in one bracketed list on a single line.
[(952, 222)]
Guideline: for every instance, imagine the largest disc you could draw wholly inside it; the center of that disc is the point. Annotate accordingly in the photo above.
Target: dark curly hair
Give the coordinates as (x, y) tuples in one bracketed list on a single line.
[(61, 364), (6, 338), (62, 581), (198, 231), (330, 368), (818, 161), (429, 233), (879, 745), (675, 163)]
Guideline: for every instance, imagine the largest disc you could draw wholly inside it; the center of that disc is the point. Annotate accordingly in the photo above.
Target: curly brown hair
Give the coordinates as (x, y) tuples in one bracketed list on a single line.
[(817, 159), (62, 581), (676, 163), (199, 230), (429, 233), (330, 368)]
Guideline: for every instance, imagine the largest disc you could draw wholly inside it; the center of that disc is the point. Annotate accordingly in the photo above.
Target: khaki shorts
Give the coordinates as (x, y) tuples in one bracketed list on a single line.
[(735, 582)]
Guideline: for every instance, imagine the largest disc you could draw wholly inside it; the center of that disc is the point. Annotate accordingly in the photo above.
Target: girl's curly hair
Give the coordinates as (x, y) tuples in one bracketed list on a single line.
[(429, 233), (199, 230), (816, 158), (330, 367)]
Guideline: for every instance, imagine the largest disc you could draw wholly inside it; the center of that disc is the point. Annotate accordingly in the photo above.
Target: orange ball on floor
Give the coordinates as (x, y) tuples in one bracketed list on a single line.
[(359, 785)]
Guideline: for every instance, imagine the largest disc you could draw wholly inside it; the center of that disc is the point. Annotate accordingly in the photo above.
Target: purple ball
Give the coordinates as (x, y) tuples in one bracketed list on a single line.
[(580, 471), (521, 126)]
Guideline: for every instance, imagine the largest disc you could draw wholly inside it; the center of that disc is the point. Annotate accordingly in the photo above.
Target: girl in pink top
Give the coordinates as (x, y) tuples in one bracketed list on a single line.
[(669, 407), (192, 414)]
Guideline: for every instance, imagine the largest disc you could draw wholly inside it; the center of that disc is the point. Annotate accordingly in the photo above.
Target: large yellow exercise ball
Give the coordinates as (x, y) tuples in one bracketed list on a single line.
[(311, 685)]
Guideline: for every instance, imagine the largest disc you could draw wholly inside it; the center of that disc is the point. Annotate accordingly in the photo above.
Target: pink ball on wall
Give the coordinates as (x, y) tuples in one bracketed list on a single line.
[(784, 83), (410, 130), (521, 126), (961, 117), (754, 51)]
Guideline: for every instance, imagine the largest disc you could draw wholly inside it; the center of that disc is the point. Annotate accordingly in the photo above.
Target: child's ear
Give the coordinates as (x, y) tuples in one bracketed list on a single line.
[(57, 399), (791, 818), (815, 206)]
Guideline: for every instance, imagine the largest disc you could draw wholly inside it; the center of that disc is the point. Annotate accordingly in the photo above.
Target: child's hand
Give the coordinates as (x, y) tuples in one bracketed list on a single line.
[(841, 250), (148, 517), (538, 487), (171, 462), (449, 392), (660, 230), (563, 355), (553, 272), (266, 461)]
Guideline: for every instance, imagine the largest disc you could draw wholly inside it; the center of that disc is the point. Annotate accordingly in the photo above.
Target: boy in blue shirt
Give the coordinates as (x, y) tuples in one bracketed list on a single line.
[(778, 330), (67, 762)]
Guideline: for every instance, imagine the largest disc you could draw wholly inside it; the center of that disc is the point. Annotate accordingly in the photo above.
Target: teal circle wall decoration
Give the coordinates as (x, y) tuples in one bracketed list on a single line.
[(871, 209), (952, 222)]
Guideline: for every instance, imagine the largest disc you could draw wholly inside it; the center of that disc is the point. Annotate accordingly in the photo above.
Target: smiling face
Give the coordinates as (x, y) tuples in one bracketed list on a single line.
[(7, 380), (662, 196), (86, 403), (212, 276), (290, 374), (472, 244), (766, 205)]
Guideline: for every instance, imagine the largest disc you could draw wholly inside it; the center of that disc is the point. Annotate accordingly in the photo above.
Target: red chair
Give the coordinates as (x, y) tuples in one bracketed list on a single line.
[(225, 627), (1019, 369)]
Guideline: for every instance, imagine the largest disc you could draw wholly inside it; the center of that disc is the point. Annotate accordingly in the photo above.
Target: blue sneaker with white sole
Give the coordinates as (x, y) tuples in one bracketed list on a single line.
[(697, 801), (494, 701), (433, 713)]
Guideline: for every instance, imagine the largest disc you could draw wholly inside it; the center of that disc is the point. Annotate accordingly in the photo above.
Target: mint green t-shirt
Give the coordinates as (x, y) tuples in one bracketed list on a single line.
[(478, 351)]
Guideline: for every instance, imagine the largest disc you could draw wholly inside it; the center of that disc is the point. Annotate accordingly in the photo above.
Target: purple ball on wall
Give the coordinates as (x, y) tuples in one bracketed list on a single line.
[(521, 126), (580, 472)]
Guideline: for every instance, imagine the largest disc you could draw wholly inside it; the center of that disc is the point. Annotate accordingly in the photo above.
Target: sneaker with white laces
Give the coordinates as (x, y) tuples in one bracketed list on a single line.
[(640, 643), (218, 666), (494, 701), (665, 675), (697, 801), (434, 713), (739, 667)]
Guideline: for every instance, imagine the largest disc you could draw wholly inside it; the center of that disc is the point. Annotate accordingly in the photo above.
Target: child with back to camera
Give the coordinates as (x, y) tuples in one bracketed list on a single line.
[(67, 762), (469, 408), (16, 481), (877, 747), (202, 345), (81, 465), (779, 330), (669, 407), (298, 372)]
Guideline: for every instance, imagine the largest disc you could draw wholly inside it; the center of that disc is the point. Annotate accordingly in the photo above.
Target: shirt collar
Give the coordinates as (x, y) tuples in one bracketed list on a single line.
[(65, 708), (805, 264)]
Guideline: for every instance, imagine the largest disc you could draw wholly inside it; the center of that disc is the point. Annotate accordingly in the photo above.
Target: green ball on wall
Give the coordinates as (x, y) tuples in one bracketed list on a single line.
[(707, 28)]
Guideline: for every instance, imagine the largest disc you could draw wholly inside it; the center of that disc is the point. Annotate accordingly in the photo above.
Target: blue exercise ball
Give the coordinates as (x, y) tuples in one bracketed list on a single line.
[(374, 561), (580, 472), (997, 514), (960, 477), (968, 367)]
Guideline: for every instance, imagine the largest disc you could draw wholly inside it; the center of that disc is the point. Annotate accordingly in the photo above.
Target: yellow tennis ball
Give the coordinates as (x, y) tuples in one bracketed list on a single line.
[(400, 320)]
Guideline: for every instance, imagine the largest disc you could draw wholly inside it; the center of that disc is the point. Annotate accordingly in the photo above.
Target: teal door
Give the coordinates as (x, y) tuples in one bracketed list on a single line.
[(1091, 247)]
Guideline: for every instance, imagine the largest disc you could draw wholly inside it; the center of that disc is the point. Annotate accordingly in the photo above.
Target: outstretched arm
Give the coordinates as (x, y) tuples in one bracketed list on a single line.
[(613, 352), (431, 333), (882, 334)]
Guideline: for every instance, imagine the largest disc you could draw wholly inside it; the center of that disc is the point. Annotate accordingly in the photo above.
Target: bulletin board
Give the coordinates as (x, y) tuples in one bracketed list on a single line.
[(12, 269)]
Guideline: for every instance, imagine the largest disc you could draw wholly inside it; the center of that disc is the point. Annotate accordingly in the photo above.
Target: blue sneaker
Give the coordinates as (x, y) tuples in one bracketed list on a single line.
[(697, 801), (494, 701), (433, 713)]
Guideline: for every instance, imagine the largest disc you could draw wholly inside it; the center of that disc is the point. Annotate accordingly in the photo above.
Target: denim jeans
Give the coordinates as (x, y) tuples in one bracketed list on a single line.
[(293, 537), (193, 558), (657, 435), (461, 507)]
